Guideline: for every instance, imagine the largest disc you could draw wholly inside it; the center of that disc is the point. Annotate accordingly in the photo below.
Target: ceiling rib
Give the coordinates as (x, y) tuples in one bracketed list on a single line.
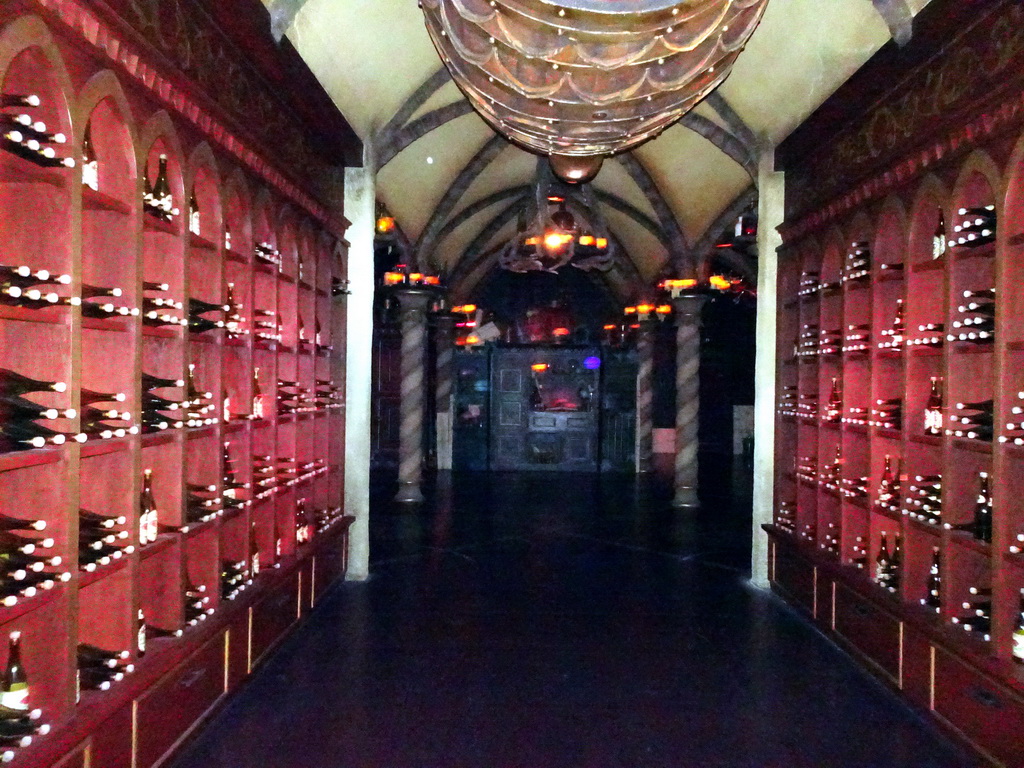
[(722, 139), (704, 248), (282, 16), (480, 205), (679, 250), (736, 124), (390, 146), (463, 267), (430, 235), (898, 17), (416, 99)]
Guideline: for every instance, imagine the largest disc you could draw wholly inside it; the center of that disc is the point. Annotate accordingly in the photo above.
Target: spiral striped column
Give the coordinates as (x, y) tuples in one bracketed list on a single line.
[(645, 396), (445, 345), (687, 310), (413, 306)]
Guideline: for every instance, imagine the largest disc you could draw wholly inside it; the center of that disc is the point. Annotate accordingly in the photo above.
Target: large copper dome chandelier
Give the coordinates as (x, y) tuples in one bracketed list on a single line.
[(581, 79)]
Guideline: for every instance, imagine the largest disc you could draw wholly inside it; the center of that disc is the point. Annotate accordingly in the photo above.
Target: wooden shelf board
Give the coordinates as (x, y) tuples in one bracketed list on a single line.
[(857, 285), (114, 325), (85, 578), (163, 331), (859, 501), (159, 438), (961, 253), (32, 458), (977, 446), (235, 256), (889, 354), (243, 342), (889, 434), (262, 424), (201, 243), (266, 346), (235, 425), (18, 170), (968, 541), (855, 429), (929, 266), (286, 278), (207, 337), (47, 315), (153, 224), (934, 530), (1015, 240), (877, 510), (323, 293), (195, 433), (265, 269), (287, 418), (889, 276), (831, 425), (163, 542), (1014, 560), (919, 351), (1015, 346), (307, 286), (1017, 451), (26, 605), (926, 439), (966, 348), (104, 447), (93, 200), (194, 529), (233, 512)]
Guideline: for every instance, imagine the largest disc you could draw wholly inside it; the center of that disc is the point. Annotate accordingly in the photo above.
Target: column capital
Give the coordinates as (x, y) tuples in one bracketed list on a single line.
[(688, 306), (413, 299)]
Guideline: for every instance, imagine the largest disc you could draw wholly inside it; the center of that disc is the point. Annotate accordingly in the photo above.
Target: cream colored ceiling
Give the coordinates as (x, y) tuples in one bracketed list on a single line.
[(372, 55)]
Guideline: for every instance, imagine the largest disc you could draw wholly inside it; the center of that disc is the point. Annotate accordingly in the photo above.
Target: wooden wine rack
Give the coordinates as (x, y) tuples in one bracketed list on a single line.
[(971, 157), (48, 220)]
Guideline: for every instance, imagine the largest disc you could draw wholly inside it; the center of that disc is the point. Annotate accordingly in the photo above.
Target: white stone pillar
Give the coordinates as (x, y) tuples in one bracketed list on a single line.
[(360, 199), (771, 213), (687, 309)]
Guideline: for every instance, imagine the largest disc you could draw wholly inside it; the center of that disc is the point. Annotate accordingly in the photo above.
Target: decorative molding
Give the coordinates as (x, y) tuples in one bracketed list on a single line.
[(679, 251), (937, 112), (215, 69), (418, 128)]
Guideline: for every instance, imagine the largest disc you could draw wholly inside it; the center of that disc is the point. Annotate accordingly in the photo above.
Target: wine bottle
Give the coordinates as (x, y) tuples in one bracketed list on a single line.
[(159, 201), (93, 656), (259, 400), (90, 163), (148, 514), (97, 678), (19, 409), (882, 562), (12, 524), (151, 402), (90, 397), (194, 218), (895, 570), (12, 383), (933, 421), (14, 688), (1018, 633), (89, 519), (140, 634), (197, 307), (202, 325), (24, 101), (939, 242), (983, 509), (23, 277)]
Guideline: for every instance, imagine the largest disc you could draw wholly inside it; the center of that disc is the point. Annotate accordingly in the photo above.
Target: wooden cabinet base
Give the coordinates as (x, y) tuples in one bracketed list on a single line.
[(963, 693), (142, 720)]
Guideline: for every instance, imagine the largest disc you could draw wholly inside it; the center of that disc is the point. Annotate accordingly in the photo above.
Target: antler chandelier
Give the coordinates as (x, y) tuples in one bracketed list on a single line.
[(580, 79)]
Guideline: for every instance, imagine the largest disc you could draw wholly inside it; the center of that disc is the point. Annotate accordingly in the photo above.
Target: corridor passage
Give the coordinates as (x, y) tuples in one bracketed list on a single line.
[(562, 621)]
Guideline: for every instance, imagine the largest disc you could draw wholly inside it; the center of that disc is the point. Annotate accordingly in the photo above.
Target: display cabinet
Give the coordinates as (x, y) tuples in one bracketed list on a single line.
[(182, 512), (899, 468)]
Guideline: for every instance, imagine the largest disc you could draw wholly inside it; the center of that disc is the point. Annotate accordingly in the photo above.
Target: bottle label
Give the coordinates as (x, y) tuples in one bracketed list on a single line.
[(1018, 644), (16, 698), (141, 640)]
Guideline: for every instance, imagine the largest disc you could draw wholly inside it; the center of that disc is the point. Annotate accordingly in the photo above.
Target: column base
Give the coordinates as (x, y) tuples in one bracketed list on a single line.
[(686, 498), (409, 493)]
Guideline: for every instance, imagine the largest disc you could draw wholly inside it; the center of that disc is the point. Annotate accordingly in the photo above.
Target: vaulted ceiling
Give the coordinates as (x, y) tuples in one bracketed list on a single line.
[(455, 187)]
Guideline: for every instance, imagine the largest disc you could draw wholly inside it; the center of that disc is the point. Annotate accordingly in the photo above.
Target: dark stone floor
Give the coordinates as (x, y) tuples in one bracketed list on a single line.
[(562, 621)]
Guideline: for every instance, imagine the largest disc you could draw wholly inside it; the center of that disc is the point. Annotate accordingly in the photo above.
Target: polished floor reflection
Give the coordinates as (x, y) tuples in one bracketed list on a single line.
[(560, 621)]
